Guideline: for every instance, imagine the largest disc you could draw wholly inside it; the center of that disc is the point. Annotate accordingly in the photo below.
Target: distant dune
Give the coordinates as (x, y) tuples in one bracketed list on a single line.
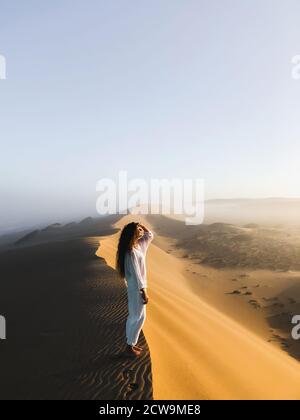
[(228, 245), (27, 238), (58, 232), (70, 225), (86, 221), (51, 227)]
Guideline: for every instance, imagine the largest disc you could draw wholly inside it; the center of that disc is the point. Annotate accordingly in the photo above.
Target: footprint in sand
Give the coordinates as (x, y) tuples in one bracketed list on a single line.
[(281, 340), (270, 299), (284, 346), (274, 339), (235, 292), (254, 303)]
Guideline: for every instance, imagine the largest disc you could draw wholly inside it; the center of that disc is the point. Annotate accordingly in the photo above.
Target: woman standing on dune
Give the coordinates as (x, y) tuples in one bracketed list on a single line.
[(131, 265)]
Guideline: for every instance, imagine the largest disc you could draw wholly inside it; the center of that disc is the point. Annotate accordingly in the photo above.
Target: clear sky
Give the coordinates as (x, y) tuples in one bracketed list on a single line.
[(160, 88)]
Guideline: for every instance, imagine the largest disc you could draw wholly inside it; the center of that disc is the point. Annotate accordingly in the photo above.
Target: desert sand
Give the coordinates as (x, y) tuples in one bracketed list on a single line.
[(218, 324), (198, 351), (65, 311), (249, 272)]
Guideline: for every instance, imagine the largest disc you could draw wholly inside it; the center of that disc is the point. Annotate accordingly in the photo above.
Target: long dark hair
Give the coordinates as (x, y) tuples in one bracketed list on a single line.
[(126, 241)]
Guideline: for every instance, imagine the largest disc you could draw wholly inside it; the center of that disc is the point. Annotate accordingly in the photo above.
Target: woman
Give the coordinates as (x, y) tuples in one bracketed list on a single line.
[(131, 265)]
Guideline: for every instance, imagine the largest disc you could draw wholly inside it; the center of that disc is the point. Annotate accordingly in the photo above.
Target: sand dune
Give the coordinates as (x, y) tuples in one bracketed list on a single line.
[(66, 312), (58, 232), (224, 245), (242, 277), (197, 352), (27, 238)]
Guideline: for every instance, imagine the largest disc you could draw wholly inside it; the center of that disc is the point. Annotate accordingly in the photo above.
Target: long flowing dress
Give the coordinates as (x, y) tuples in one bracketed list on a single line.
[(136, 279)]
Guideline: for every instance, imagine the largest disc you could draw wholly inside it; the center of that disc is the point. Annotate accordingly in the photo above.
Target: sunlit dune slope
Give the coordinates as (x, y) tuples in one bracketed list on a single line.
[(196, 351)]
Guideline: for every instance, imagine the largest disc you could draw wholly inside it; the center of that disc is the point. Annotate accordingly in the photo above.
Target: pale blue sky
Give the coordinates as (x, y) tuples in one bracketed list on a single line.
[(166, 88)]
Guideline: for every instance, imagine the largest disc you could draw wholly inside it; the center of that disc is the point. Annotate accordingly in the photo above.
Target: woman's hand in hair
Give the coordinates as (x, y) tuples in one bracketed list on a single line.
[(145, 296), (144, 227)]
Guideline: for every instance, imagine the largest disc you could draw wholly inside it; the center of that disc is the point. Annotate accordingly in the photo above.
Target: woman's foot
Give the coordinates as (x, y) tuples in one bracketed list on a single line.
[(132, 351)]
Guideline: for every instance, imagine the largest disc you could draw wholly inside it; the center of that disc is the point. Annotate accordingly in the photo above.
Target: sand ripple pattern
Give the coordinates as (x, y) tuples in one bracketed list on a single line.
[(67, 311)]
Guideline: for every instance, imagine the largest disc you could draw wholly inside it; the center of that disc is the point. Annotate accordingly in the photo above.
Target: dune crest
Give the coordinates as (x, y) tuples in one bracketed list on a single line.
[(196, 351)]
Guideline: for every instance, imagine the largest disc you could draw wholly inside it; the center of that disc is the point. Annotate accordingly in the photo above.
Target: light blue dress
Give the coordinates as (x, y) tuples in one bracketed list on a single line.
[(136, 279)]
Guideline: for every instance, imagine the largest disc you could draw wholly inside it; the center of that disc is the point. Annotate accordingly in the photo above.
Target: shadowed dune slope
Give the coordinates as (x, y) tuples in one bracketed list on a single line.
[(65, 311)]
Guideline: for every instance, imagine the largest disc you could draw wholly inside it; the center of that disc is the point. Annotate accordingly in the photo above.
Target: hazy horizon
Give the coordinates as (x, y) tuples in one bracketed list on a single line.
[(268, 210), (193, 89)]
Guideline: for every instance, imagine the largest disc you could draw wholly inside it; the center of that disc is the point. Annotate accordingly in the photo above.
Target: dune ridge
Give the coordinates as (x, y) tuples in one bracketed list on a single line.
[(197, 352), (66, 313)]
